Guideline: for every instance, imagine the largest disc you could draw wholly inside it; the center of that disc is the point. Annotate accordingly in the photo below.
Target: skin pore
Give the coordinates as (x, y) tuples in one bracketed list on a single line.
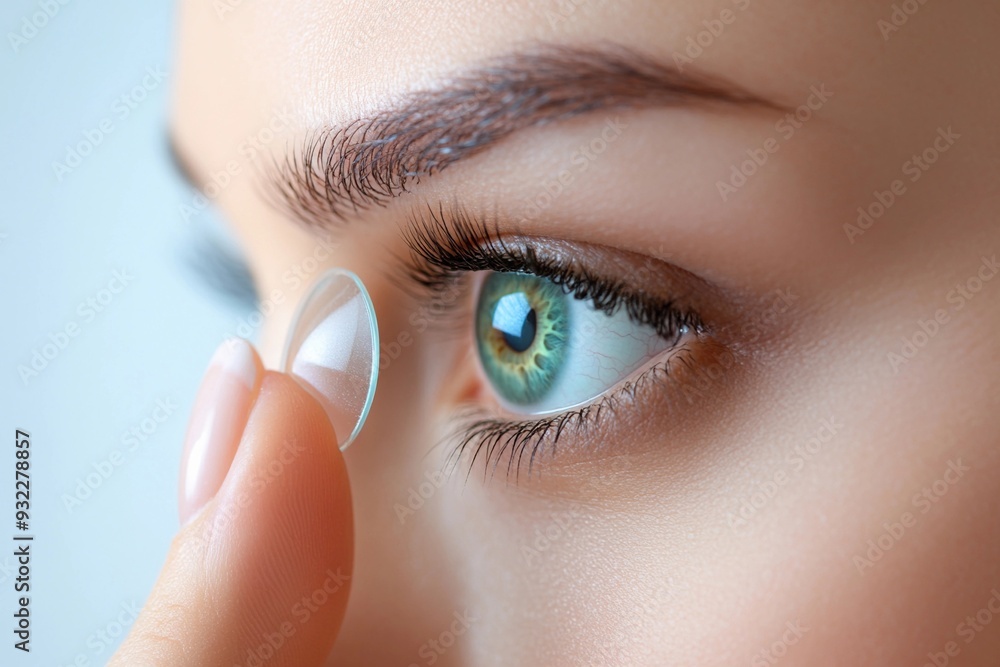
[(816, 482)]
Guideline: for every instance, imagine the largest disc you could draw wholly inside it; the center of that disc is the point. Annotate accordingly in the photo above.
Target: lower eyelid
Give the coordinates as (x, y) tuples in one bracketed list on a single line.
[(665, 389)]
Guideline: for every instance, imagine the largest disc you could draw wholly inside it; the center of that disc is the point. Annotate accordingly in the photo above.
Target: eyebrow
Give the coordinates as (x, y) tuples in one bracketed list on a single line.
[(338, 171)]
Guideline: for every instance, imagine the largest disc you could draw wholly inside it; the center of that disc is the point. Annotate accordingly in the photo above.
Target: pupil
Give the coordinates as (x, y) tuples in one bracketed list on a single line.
[(522, 341)]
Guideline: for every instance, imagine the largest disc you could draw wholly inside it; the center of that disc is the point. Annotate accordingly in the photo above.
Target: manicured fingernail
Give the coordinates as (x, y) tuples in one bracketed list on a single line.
[(220, 414)]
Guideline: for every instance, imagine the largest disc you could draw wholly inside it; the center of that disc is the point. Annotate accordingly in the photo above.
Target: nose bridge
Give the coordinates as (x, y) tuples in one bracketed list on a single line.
[(404, 589)]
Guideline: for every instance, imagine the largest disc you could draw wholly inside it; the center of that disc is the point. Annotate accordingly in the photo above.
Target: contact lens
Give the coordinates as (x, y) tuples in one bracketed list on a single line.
[(333, 350), (522, 330)]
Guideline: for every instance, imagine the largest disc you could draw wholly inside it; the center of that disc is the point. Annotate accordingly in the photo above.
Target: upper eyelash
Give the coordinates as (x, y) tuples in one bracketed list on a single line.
[(444, 245)]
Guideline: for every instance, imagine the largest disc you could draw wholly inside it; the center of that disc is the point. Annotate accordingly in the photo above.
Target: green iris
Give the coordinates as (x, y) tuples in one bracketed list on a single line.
[(522, 327)]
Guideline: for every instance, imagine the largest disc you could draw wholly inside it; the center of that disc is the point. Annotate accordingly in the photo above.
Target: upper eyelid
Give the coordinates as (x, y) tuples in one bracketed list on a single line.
[(449, 240)]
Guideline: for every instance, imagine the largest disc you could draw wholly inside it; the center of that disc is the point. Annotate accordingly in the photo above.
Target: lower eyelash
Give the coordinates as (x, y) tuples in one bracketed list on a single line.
[(476, 432)]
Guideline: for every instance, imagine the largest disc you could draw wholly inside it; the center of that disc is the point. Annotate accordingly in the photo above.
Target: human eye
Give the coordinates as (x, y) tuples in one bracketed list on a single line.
[(559, 332), (544, 349)]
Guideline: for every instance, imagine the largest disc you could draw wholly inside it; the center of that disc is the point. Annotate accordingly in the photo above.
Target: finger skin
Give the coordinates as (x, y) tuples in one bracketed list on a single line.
[(261, 575)]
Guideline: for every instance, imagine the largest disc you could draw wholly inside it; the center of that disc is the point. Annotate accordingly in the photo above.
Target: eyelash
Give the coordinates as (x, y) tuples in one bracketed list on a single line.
[(446, 245), (476, 431)]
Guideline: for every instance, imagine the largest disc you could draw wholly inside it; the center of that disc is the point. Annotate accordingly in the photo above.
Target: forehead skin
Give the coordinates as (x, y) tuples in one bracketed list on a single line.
[(720, 596)]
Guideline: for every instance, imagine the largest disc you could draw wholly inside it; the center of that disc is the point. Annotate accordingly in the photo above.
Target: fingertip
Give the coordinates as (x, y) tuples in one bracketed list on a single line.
[(261, 574), (287, 500)]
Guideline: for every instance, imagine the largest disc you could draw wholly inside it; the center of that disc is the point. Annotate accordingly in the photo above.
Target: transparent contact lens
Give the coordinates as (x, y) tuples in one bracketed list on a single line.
[(333, 350)]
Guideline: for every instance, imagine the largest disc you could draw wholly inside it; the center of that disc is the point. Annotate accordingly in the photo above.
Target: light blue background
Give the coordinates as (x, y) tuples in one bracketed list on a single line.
[(60, 243)]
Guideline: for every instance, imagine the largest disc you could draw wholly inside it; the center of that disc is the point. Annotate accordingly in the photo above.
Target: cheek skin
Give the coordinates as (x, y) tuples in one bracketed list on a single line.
[(797, 554), (648, 547)]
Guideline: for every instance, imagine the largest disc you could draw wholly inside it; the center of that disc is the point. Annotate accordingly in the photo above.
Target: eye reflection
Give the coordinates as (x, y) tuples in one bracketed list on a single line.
[(543, 350)]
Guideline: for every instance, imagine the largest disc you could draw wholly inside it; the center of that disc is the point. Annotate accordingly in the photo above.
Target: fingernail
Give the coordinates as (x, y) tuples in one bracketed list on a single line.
[(220, 414)]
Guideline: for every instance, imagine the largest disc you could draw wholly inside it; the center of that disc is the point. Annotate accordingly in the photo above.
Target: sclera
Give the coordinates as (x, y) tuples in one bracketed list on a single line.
[(333, 350)]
